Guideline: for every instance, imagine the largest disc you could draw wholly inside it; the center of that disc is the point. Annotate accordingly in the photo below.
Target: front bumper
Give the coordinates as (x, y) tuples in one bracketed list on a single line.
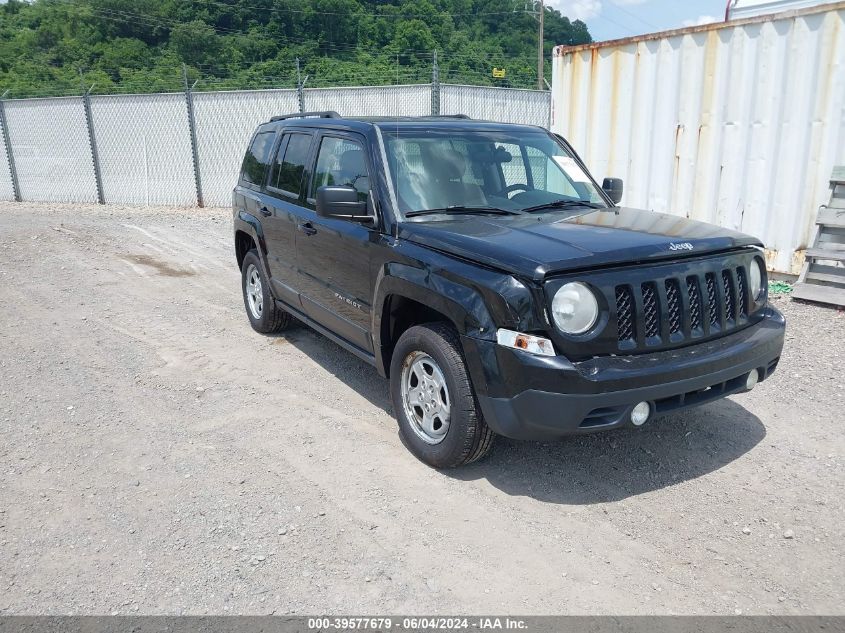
[(524, 396)]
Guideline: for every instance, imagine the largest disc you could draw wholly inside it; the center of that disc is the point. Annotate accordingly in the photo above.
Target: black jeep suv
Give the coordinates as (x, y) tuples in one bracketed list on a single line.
[(483, 271)]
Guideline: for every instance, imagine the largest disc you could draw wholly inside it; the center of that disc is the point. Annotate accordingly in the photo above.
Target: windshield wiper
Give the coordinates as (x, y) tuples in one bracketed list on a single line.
[(564, 204), (459, 209)]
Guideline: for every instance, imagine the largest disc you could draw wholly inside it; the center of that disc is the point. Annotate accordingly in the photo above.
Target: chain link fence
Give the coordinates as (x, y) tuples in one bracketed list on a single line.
[(480, 102), (145, 149), (7, 188), (49, 138), (140, 144), (225, 121)]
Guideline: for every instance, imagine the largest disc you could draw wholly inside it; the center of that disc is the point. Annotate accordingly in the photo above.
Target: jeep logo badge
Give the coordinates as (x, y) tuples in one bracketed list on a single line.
[(680, 246)]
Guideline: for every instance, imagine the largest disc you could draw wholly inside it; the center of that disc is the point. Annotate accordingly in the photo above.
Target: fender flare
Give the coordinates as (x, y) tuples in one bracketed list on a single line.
[(463, 305), (250, 225)]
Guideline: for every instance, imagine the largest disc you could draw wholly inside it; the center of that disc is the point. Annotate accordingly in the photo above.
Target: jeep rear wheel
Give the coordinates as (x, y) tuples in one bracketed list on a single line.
[(264, 315), (439, 419)]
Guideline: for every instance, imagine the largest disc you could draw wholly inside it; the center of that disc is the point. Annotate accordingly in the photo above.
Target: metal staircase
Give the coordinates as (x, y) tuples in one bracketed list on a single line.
[(823, 276)]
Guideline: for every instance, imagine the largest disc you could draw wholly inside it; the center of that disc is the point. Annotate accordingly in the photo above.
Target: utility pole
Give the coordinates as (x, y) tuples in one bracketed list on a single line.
[(540, 75)]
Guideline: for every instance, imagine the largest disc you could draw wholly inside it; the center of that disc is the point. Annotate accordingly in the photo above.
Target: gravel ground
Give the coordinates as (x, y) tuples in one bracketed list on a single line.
[(158, 456)]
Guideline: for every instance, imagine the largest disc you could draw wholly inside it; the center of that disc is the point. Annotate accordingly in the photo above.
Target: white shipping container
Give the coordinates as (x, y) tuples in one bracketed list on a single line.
[(737, 123)]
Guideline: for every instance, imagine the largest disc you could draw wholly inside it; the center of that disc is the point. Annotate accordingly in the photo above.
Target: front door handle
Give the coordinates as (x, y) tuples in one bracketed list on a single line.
[(307, 228), (265, 212)]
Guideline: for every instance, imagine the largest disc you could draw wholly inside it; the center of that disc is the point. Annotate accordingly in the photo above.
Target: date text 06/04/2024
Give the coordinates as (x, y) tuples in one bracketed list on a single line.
[(416, 623)]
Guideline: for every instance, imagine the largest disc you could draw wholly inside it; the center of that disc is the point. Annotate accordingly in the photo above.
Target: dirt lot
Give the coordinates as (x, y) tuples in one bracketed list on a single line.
[(158, 456)]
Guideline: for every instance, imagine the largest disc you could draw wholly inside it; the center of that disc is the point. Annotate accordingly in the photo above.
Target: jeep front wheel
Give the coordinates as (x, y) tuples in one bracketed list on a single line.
[(435, 406)]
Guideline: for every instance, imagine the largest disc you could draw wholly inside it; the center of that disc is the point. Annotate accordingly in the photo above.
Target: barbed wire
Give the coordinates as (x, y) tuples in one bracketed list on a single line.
[(206, 83), (312, 11)]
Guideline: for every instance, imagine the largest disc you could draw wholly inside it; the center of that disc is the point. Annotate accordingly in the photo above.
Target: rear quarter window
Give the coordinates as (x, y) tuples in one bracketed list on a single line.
[(289, 169), (257, 158)]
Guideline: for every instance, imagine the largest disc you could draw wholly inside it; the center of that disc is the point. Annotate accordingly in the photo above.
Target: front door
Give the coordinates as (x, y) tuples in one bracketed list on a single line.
[(334, 255)]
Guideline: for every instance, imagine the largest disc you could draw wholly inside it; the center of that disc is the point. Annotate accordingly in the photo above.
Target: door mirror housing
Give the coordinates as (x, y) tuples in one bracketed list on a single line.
[(613, 188), (341, 203)]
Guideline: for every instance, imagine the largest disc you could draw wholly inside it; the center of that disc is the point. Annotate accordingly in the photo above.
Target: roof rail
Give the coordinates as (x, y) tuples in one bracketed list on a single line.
[(454, 116), (322, 114)]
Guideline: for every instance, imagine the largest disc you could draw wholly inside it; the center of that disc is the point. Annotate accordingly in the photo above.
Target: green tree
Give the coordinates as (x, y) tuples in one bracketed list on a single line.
[(140, 45)]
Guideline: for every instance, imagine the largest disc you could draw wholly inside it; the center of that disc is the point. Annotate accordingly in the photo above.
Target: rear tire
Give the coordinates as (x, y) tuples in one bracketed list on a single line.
[(264, 315), (439, 418)]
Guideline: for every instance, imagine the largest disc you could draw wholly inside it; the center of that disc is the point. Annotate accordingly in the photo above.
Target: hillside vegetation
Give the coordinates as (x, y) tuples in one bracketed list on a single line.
[(52, 47)]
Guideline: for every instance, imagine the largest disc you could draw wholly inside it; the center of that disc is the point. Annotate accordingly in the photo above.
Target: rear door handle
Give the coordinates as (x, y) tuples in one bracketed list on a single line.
[(307, 228), (265, 212)]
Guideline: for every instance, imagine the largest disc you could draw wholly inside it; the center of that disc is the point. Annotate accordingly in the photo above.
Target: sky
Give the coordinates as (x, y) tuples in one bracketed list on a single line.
[(613, 19)]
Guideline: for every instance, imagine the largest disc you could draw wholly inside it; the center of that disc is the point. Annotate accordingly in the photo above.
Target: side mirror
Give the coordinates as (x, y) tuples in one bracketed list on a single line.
[(341, 202), (613, 188)]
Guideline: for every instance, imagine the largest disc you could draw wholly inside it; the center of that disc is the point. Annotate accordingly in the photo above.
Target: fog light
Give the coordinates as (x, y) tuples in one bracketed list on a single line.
[(753, 379), (640, 413)]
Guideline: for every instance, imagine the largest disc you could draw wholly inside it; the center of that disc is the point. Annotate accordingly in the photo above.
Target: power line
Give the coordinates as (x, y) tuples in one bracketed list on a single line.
[(636, 17), (311, 11)]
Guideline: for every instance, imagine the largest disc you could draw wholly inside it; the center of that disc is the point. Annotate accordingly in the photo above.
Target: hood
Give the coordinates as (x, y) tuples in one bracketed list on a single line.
[(537, 245)]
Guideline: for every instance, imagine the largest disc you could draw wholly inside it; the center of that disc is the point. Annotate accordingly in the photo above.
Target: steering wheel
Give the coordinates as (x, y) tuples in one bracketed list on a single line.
[(511, 188)]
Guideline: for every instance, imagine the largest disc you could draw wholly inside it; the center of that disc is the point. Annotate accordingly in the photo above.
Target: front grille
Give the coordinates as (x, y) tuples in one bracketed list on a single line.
[(673, 303), (712, 300), (730, 308), (740, 289), (662, 313), (695, 307), (651, 313), (625, 313)]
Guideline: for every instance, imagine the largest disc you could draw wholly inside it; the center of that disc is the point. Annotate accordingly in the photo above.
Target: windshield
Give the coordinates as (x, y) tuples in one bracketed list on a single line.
[(440, 169)]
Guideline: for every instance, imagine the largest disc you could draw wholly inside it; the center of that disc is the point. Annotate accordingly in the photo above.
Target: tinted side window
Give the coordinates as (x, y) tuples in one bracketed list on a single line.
[(288, 169), (257, 157), (342, 162)]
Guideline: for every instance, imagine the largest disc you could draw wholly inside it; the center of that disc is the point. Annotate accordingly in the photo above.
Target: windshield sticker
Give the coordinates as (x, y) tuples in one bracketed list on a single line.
[(572, 169)]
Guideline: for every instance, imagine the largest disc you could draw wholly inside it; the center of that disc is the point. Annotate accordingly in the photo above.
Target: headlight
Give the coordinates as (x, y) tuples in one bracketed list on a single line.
[(755, 279), (574, 308)]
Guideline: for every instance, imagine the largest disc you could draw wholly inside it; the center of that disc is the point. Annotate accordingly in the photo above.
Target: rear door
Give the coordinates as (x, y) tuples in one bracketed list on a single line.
[(334, 255), (282, 211)]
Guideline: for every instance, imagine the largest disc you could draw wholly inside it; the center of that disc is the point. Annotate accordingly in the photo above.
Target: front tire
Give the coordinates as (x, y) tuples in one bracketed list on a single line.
[(438, 415), (264, 315)]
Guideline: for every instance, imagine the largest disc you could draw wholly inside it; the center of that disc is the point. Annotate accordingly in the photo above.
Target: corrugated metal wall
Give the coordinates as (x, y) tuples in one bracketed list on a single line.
[(738, 124)]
